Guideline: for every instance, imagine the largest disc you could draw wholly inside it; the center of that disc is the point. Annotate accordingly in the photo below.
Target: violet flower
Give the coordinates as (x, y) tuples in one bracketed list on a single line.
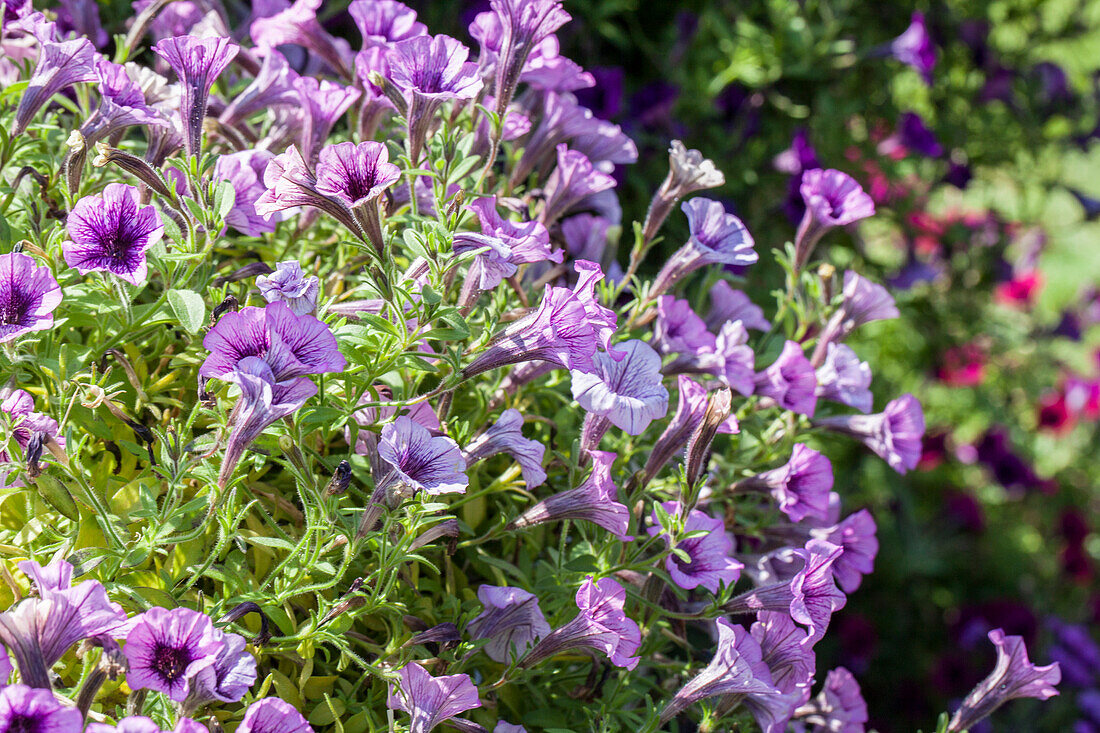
[(716, 238), (198, 62), (913, 134), (1014, 676), (856, 534), (839, 706), (679, 329), (421, 461), (39, 630), (121, 105), (323, 103), (112, 232), (574, 179), (506, 436), (863, 302), (141, 724), (691, 408), (81, 17), (289, 285), (914, 48), (801, 486), (28, 426), (601, 625), (273, 86), (893, 434), (357, 176), (709, 562), (790, 381), (25, 708), (431, 700), (28, 296), (488, 268), (228, 679), (789, 657), (627, 393), (527, 242), (272, 715), (737, 668), (244, 171), (731, 359), (297, 25), (845, 379), (585, 236), (167, 649), (562, 120), (60, 65), (595, 500), (833, 199), (291, 183), (524, 25), (688, 172), (385, 22), (727, 304), (511, 620)]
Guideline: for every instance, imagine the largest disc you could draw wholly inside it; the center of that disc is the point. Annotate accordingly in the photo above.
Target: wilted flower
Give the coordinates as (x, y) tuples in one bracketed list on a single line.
[(60, 65), (421, 461), (709, 562), (506, 436), (289, 285), (833, 199), (198, 62), (167, 649), (1013, 676), (24, 708), (431, 700), (839, 706), (801, 486), (790, 381), (28, 426), (574, 179), (595, 500), (716, 238), (112, 232), (894, 434), (914, 48), (511, 619), (727, 304), (856, 534), (627, 393), (385, 22), (844, 378), (688, 172), (272, 715), (28, 296)]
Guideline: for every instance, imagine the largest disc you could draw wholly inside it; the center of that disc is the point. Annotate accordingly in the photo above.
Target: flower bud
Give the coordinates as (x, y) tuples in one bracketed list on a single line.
[(698, 448)]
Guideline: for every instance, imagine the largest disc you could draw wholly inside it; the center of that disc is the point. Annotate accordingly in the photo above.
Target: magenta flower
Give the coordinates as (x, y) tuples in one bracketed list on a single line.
[(801, 487), (691, 408), (628, 393), (894, 434), (431, 700), (60, 65), (291, 183), (273, 86), (228, 679), (112, 232), (385, 22), (28, 296), (595, 500), (506, 436), (357, 176), (272, 715), (845, 379), (709, 562), (420, 461), (914, 48), (790, 381), (737, 668), (39, 630), (679, 329), (727, 304), (688, 172), (601, 624), (245, 171), (524, 25), (197, 62), (716, 238), (289, 285), (121, 105), (167, 649), (323, 103), (1014, 676), (839, 706), (297, 25), (856, 534), (25, 708), (833, 199), (511, 620), (574, 179)]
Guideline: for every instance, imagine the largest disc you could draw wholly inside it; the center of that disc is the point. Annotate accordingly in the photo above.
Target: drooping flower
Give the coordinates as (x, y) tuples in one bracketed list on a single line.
[(60, 65), (801, 486), (833, 199), (602, 624), (357, 176), (273, 86), (197, 62), (894, 434), (524, 24), (431, 700), (627, 393), (790, 381), (690, 411), (679, 329), (1013, 676), (228, 679), (863, 302), (688, 172), (245, 171), (574, 179), (289, 285), (716, 238), (28, 296), (839, 706), (709, 562), (511, 620), (385, 22), (28, 428), (856, 534), (727, 304), (25, 709), (422, 461), (844, 378), (297, 24), (112, 232), (595, 500), (272, 715), (167, 649), (914, 47), (506, 436)]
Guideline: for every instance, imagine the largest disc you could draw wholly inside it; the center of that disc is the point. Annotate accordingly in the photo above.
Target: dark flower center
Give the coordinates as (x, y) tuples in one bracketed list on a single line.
[(13, 310), (24, 724), (170, 662)]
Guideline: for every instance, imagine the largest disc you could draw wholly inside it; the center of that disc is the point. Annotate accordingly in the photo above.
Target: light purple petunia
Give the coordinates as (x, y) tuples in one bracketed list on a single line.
[(28, 296), (527, 242), (843, 378), (506, 727), (81, 17), (506, 436), (833, 199), (862, 302), (272, 715), (167, 649), (628, 393), (731, 359), (801, 486), (717, 238), (856, 534), (385, 22), (1013, 676), (121, 105), (524, 24), (431, 700), (290, 182), (688, 172), (245, 171), (914, 47), (790, 381), (574, 179), (197, 62), (585, 236), (112, 232), (489, 267), (595, 500), (141, 724), (24, 709), (709, 562), (562, 120), (323, 103), (297, 24), (357, 176), (273, 86), (288, 284), (727, 304), (511, 620), (691, 408), (679, 329), (838, 707), (228, 679), (422, 461), (60, 65), (894, 434), (790, 659)]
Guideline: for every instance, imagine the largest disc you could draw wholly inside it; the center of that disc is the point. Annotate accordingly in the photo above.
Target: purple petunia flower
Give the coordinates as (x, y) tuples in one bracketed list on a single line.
[(431, 700), (789, 658), (527, 242), (121, 105), (679, 329), (112, 232), (357, 176), (385, 22), (716, 238), (913, 134), (60, 65), (81, 17), (688, 172), (790, 381), (420, 461), (297, 24), (601, 624), (856, 534), (845, 379), (505, 727), (167, 649), (272, 715), (273, 86), (562, 120), (289, 285), (574, 179), (595, 500), (585, 236), (38, 631), (290, 182), (25, 708), (197, 62), (894, 434), (839, 706), (690, 411), (833, 199), (1014, 676), (627, 393), (731, 359), (245, 171), (801, 486), (524, 24), (141, 724), (1073, 647), (323, 103), (863, 302), (511, 620), (709, 563), (28, 296), (28, 427), (914, 48), (506, 436), (727, 304), (737, 668), (228, 679)]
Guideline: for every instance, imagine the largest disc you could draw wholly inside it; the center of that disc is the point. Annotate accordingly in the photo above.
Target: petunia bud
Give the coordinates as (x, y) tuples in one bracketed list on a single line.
[(73, 166), (698, 448), (136, 167)]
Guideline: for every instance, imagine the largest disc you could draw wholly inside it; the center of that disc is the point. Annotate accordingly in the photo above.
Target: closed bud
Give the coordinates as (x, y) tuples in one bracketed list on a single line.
[(246, 608), (135, 166), (698, 449), (73, 167), (229, 304)]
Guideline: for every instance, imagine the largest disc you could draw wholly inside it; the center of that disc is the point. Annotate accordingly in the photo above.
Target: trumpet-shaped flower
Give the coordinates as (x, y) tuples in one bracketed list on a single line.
[(801, 486), (25, 708), (844, 378), (833, 199), (167, 649), (197, 62), (790, 381), (709, 562), (628, 392), (273, 86), (595, 500), (727, 304), (678, 329), (272, 715), (28, 296), (914, 48), (574, 179), (716, 238), (385, 22), (289, 285), (228, 679), (506, 436), (894, 434), (60, 65), (511, 621), (856, 534), (421, 461), (431, 700), (245, 171), (524, 24), (297, 25), (112, 232)]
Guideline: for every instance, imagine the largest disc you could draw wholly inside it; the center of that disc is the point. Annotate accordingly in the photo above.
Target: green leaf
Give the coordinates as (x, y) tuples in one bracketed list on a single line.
[(224, 198), (189, 308)]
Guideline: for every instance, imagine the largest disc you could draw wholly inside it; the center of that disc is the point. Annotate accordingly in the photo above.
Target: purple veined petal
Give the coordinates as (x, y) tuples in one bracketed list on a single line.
[(422, 461), (506, 436), (493, 262), (431, 700), (894, 434), (523, 24), (801, 487), (628, 392), (112, 233), (297, 24), (679, 329), (914, 48), (790, 381), (528, 241), (166, 649), (60, 65), (244, 171), (585, 236), (786, 651), (122, 104), (272, 715), (574, 179), (845, 379), (81, 17), (355, 174), (228, 679), (131, 724), (856, 534), (839, 706), (731, 359), (273, 86), (385, 22), (691, 408), (727, 304), (833, 199), (710, 563), (197, 62), (26, 708), (434, 66), (511, 620), (716, 237), (595, 500), (28, 296), (288, 284), (324, 103)]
